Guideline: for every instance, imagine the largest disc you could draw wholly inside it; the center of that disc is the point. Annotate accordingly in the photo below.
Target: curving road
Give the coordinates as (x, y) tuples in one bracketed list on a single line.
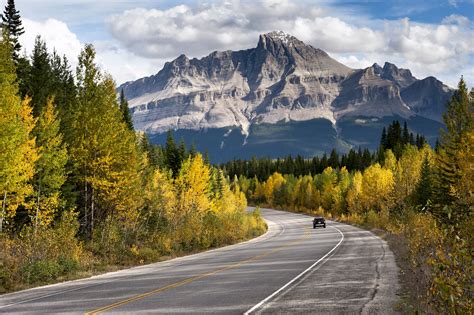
[(291, 268)]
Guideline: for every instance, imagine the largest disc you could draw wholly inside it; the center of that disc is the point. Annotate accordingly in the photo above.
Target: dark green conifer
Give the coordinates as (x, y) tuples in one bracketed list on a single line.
[(127, 117), (12, 22)]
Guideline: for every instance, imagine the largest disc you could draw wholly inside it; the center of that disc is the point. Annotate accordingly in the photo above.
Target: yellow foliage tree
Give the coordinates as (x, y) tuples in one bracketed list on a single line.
[(273, 184), (193, 188), (377, 186), (50, 167), (353, 194), (408, 172), (103, 149), (17, 146)]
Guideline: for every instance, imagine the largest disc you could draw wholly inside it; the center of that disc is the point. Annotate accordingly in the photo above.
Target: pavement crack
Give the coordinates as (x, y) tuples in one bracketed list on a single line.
[(377, 279)]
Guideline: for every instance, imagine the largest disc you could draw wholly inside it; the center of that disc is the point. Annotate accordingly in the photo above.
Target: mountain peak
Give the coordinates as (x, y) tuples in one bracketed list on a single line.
[(278, 38), (389, 65)]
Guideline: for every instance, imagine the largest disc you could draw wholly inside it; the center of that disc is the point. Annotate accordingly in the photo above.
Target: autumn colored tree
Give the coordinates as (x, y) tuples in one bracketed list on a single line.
[(50, 167), (17, 145), (103, 149), (452, 160), (353, 194), (377, 186)]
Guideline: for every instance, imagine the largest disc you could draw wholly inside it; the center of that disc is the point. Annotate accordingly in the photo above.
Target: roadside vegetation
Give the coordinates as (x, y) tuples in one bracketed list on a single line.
[(81, 191), (421, 197)]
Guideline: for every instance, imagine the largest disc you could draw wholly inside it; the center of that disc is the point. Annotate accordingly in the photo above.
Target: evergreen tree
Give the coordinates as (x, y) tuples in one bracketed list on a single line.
[(412, 138), (11, 21), (424, 188), (182, 155), (40, 81), (23, 69), (333, 159), (17, 146), (405, 134), (172, 160), (207, 160), (450, 166), (192, 150), (50, 167), (383, 139), (127, 117)]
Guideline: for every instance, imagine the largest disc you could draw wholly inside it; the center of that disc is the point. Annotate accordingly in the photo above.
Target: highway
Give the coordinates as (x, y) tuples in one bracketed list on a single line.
[(293, 268)]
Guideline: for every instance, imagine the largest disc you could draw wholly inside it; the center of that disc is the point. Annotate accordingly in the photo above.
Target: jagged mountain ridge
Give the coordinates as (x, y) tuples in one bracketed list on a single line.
[(280, 80)]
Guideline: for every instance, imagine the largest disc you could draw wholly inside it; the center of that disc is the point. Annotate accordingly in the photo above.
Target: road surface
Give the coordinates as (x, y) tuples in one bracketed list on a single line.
[(290, 269)]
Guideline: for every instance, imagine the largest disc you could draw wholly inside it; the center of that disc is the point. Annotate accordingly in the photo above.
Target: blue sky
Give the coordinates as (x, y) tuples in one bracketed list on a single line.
[(135, 38), (426, 11)]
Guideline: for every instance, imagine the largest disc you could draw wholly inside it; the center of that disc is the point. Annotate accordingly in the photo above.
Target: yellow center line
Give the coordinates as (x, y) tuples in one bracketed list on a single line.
[(198, 277)]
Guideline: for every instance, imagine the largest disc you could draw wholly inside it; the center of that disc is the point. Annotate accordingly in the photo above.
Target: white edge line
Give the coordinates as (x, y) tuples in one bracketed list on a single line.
[(297, 277)]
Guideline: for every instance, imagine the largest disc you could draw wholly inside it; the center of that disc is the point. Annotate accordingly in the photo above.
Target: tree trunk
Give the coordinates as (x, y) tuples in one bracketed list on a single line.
[(37, 207), (86, 225), (4, 204), (92, 210)]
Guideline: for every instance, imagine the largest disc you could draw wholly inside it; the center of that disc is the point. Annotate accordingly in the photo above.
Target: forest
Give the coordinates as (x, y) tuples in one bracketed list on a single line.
[(393, 138), (421, 197), (81, 191)]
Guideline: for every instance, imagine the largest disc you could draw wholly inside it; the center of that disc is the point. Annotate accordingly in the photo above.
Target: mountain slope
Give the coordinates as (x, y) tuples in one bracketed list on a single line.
[(280, 81)]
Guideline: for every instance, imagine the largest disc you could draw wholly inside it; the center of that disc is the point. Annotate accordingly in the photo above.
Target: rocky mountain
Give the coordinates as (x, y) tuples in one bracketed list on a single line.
[(281, 97)]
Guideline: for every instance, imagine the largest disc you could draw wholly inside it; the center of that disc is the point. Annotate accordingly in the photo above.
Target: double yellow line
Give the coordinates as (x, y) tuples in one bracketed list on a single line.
[(198, 277)]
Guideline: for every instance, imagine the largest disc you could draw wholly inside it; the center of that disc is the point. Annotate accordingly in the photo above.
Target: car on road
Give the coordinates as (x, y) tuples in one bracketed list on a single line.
[(319, 221)]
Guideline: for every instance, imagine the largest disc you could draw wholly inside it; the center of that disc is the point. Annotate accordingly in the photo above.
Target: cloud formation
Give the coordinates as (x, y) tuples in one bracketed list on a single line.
[(143, 39), (55, 33), (445, 49)]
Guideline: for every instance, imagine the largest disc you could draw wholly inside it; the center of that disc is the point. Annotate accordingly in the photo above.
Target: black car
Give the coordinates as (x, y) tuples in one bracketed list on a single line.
[(319, 221)]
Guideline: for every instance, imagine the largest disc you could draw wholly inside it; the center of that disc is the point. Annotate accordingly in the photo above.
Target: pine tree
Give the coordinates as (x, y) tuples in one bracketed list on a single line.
[(17, 146), (127, 117), (412, 138), (454, 142), (405, 134), (182, 155), (63, 89), (40, 81), (207, 160), (11, 21), (50, 167), (333, 159), (424, 188), (171, 153), (383, 139), (192, 150)]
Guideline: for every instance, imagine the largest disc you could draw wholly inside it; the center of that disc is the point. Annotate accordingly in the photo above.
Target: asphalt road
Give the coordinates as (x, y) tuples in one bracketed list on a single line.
[(290, 269)]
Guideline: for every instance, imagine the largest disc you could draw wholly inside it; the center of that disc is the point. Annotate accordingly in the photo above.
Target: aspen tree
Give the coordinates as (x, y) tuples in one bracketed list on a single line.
[(17, 146)]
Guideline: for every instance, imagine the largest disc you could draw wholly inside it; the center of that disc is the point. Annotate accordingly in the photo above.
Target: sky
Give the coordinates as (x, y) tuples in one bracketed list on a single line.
[(135, 38)]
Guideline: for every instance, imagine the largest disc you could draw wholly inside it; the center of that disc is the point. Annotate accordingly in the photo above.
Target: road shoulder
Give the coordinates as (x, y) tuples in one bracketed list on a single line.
[(361, 276)]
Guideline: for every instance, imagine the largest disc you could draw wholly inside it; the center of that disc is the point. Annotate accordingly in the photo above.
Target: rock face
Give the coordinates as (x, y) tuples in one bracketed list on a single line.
[(281, 80)]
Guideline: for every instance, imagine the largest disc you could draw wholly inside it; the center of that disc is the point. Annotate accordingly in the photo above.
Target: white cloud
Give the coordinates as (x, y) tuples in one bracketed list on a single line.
[(453, 3), (121, 63), (429, 49), (55, 33), (456, 19), (143, 39)]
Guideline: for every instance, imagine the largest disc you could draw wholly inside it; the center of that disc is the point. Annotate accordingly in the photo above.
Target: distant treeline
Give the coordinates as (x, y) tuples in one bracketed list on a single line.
[(393, 137)]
